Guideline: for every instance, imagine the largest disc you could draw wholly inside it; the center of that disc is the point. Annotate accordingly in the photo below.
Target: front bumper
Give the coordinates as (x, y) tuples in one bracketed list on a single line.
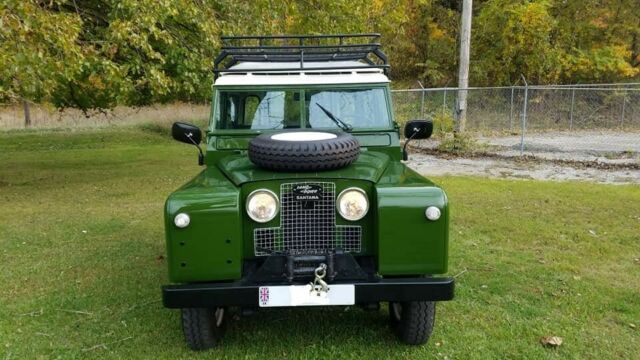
[(205, 295)]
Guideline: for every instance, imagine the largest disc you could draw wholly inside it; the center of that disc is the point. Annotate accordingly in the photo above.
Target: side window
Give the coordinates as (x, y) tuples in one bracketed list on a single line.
[(251, 104), (231, 111), (225, 114)]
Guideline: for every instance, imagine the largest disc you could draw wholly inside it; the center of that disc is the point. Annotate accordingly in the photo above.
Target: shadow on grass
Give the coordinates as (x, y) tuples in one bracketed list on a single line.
[(309, 332)]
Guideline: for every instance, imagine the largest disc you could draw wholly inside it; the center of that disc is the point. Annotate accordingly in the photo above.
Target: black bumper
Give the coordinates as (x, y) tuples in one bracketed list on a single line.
[(239, 294)]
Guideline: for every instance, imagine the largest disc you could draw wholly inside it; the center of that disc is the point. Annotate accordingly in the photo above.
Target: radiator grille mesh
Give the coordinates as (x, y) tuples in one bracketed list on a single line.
[(307, 227)]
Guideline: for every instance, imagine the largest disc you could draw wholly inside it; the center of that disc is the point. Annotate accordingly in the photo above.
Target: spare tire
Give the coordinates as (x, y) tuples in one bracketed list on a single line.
[(303, 150)]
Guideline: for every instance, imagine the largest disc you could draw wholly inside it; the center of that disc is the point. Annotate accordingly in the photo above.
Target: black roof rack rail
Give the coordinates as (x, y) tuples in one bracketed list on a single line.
[(301, 48)]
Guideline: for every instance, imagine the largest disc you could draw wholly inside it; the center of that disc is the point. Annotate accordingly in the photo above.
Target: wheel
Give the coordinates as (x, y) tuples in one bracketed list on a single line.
[(203, 328), (303, 150), (412, 321)]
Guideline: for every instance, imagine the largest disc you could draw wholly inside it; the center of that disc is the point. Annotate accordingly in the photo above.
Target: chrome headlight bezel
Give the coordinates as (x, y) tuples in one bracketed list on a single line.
[(340, 198), (267, 192)]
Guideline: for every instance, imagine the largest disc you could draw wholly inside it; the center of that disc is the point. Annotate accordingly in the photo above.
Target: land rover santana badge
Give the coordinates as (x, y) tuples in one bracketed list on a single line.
[(307, 192)]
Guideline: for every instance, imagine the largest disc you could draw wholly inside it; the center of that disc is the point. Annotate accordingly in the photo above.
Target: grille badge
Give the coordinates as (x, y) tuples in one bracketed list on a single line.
[(307, 192)]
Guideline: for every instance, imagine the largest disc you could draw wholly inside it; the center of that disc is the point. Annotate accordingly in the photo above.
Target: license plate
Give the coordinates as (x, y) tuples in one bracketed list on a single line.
[(303, 295)]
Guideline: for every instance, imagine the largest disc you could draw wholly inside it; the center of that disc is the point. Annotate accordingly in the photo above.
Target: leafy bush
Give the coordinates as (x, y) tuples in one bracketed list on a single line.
[(443, 123), (458, 143)]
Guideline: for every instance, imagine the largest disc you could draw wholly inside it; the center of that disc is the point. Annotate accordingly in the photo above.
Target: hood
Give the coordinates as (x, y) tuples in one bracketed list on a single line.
[(369, 166)]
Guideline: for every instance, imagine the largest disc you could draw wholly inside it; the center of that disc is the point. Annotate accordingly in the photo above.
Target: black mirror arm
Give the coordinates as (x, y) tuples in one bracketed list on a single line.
[(405, 156), (200, 154)]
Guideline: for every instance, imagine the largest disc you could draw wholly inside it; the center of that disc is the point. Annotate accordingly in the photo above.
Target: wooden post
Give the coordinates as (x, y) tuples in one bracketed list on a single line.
[(463, 70), (27, 113)]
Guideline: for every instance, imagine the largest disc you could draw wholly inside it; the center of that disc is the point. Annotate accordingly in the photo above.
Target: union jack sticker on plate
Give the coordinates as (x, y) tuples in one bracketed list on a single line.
[(264, 296)]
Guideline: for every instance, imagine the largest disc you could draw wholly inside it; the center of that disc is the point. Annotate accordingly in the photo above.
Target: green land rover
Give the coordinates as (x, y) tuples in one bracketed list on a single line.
[(304, 199)]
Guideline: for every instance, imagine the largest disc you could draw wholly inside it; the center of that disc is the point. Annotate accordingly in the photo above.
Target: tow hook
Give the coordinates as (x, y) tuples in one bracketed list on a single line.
[(319, 286)]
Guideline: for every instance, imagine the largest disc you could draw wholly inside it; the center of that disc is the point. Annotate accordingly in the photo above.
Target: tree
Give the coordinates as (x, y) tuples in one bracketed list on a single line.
[(598, 39), (512, 38), (555, 41), (38, 50), (96, 54)]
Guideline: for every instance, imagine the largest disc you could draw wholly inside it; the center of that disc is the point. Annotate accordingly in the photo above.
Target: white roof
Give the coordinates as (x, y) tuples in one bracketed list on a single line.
[(274, 73)]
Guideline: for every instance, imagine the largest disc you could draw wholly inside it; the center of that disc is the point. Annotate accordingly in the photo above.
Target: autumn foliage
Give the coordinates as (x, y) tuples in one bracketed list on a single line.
[(95, 54)]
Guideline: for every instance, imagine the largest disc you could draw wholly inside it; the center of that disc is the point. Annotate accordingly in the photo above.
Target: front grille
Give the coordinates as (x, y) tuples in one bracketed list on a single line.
[(307, 227)]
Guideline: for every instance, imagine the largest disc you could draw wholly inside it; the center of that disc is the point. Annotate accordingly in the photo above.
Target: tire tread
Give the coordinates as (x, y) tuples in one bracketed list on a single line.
[(303, 156), (200, 332), (416, 323)]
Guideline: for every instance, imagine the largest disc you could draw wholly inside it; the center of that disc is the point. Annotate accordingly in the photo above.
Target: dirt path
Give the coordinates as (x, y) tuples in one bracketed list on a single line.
[(505, 168), (602, 146)]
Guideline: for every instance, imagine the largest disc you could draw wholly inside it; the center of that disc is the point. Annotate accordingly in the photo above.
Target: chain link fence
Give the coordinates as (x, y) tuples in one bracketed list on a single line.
[(575, 122)]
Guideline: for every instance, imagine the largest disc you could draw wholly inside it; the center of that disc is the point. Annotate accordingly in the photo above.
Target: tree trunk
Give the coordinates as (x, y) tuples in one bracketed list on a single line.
[(27, 113)]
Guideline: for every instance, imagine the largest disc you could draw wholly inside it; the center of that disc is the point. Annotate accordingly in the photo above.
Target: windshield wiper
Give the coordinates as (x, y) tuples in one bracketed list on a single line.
[(344, 126)]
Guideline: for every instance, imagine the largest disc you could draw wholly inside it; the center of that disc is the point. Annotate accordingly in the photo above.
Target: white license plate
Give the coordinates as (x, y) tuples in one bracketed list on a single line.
[(302, 295)]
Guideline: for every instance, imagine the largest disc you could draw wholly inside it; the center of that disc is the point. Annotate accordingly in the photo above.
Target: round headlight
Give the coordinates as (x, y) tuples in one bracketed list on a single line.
[(353, 204), (432, 213), (182, 220), (262, 205)]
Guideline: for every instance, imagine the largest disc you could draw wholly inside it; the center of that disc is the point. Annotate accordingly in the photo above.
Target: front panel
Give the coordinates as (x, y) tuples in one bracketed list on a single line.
[(210, 247), (409, 243)]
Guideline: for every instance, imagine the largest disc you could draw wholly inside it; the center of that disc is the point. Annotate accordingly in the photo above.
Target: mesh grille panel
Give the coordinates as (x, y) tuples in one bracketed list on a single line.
[(307, 227)]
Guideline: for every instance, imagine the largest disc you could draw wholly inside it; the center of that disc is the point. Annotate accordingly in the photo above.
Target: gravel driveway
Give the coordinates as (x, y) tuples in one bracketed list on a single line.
[(556, 156), (431, 165), (608, 147)]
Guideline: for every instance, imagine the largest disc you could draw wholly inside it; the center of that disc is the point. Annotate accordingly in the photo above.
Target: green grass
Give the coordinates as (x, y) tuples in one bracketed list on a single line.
[(81, 264)]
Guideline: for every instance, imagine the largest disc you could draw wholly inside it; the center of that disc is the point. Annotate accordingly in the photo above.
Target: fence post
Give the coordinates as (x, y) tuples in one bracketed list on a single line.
[(524, 114), (27, 113), (573, 99), (444, 102), (422, 100), (624, 101), (511, 111)]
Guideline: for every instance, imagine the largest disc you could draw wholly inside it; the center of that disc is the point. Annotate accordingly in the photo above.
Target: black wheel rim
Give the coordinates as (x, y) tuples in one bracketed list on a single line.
[(218, 316), (396, 310)]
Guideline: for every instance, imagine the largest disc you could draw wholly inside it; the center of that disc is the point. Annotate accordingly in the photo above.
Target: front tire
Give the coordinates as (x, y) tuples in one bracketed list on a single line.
[(412, 321), (203, 328)]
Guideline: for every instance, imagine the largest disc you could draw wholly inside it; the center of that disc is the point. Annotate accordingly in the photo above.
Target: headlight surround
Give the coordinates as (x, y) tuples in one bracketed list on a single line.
[(353, 204), (262, 205)]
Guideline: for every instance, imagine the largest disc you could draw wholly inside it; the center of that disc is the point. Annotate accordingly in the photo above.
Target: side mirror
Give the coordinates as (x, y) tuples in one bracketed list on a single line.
[(416, 129), (186, 133), (189, 134)]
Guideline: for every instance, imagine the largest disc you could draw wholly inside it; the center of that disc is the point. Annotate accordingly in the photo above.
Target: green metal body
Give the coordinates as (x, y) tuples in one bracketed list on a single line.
[(395, 231)]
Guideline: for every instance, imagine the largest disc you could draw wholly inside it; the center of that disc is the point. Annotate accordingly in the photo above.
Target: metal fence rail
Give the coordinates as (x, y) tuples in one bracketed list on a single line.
[(546, 120)]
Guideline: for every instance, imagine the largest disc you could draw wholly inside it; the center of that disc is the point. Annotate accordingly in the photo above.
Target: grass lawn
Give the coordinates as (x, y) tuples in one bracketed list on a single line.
[(81, 264)]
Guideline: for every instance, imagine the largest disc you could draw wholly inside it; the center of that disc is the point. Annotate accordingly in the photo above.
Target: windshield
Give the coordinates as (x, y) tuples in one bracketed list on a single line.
[(344, 109)]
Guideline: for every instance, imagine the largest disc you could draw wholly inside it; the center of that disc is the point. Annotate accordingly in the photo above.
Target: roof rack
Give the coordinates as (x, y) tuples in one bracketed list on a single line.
[(364, 48)]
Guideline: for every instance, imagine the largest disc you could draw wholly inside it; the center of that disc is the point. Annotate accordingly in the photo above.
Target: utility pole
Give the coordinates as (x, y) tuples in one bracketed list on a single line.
[(463, 71)]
